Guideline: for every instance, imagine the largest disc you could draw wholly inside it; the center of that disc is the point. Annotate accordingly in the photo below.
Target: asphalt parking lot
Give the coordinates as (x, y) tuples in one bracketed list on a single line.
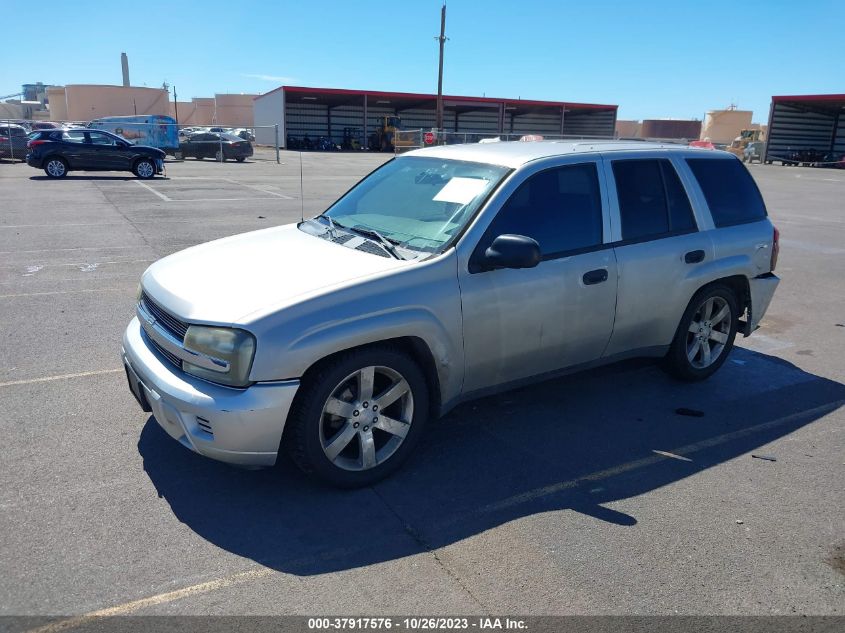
[(586, 495)]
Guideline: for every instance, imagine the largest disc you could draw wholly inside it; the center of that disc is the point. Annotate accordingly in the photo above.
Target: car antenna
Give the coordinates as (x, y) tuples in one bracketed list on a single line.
[(301, 192)]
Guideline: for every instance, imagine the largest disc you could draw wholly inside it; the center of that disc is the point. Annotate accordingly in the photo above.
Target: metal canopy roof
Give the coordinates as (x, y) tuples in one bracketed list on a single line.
[(824, 103), (408, 100)]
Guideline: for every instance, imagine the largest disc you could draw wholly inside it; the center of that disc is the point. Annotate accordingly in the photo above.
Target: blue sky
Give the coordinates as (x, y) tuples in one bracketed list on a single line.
[(652, 58)]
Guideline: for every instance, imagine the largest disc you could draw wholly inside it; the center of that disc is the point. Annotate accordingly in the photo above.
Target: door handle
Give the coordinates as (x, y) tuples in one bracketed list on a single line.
[(694, 257), (595, 277)]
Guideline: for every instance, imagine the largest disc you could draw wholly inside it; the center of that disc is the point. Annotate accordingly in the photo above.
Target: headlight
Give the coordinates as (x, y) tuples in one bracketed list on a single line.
[(224, 355)]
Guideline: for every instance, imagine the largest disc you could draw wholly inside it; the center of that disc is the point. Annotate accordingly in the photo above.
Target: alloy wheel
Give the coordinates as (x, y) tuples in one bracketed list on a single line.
[(56, 168), (708, 332), (366, 418), (145, 169)]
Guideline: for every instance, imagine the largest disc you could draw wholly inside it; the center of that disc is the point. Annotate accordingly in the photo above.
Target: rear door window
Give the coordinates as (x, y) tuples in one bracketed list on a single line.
[(73, 136), (730, 191), (652, 200)]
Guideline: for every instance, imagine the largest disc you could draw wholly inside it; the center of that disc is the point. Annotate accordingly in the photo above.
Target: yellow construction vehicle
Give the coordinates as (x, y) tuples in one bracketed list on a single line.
[(382, 139), (737, 148)]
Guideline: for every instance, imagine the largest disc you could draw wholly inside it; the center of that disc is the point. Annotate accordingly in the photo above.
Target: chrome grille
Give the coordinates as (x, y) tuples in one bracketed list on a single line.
[(167, 320), (172, 358)]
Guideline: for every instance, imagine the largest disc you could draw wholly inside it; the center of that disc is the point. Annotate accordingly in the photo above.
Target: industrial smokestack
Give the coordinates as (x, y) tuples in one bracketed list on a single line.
[(124, 64)]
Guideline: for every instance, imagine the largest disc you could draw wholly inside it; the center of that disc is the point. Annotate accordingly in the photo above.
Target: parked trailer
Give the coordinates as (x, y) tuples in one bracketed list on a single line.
[(153, 130)]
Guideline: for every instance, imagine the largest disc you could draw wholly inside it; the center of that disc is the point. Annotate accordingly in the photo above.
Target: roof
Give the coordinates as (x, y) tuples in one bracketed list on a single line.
[(340, 92), (516, 153), (809, 98)]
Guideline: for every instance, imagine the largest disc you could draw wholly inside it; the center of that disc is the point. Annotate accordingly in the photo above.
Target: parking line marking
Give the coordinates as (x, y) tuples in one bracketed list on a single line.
[(58, 292), (545, 491), (76, 248), (223, 199), (170, 596), (257, 188), (81, 374), (129, 607), (43, 266), (148, 188)]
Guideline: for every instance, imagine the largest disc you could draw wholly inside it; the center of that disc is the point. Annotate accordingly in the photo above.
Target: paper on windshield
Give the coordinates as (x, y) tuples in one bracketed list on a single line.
[(461, 190)]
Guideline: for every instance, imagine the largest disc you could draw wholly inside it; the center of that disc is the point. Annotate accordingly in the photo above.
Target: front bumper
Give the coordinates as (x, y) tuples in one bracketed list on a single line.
[(238, 426)]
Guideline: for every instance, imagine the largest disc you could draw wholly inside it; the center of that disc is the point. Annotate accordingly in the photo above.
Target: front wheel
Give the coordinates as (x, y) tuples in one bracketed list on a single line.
[(358, 417), (144, 169), (705, 335)]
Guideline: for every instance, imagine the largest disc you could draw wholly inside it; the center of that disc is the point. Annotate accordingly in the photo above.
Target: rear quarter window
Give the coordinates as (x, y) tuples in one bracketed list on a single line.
[(730, 191)]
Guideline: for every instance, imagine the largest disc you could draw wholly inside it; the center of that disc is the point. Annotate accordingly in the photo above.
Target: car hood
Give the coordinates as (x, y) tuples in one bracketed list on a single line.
[(224, 281)]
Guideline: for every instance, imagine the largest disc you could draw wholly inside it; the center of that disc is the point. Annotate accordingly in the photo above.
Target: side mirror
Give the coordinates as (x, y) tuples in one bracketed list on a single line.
[(512, 251)]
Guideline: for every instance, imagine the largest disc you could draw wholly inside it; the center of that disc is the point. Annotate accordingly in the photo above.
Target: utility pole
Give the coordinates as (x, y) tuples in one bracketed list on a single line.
[(442, 39), (175, 106)]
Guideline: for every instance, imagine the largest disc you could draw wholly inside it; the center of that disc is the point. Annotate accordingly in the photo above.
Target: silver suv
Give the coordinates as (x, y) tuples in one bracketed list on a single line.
[(448, 273)]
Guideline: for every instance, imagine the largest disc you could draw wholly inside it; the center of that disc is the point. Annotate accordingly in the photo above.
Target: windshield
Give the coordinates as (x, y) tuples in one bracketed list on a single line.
[(420, 203)]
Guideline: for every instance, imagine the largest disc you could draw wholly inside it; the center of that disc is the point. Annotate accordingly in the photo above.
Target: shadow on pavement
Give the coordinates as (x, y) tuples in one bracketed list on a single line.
[(72, 176), (575, 443)]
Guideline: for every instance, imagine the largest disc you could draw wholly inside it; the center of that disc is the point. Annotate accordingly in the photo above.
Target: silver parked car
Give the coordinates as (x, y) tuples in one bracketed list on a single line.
[(448, 273)]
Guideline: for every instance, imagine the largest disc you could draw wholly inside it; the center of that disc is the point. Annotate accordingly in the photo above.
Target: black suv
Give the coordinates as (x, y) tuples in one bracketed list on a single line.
[(59, 151)]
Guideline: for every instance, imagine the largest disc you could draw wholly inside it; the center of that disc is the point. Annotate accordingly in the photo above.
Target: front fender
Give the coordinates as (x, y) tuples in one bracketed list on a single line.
[(422, 303)]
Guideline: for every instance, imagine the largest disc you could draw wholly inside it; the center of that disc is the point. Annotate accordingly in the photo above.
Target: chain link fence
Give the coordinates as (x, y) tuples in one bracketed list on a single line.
[(218, 143)]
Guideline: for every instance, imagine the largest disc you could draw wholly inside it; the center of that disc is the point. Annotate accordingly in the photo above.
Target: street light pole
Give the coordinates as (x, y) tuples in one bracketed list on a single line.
[(442, 39)]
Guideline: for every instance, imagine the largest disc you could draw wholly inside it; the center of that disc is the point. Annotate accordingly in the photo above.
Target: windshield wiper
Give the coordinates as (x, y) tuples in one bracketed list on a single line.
[(381, 239), (333, 226)]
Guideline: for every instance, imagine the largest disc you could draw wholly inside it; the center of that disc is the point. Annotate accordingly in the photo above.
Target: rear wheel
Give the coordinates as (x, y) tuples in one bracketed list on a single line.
[(705, 335), (358, 417), (241, 159), (56, 167), (144, 169)]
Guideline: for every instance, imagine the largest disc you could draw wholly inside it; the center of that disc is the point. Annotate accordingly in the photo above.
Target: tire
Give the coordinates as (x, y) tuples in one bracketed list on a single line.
[(330, 427), (56, 167), (144, 169), (241, 159), (687, 358)]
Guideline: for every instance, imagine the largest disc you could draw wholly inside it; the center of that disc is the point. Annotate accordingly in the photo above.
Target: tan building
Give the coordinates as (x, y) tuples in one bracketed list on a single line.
[(57, 103), (83, 102), (234, 110), (723, 126)]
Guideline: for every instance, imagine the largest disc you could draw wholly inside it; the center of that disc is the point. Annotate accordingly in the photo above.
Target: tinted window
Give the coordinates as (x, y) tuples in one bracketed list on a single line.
[(74, 137), (729, 189), (101, 139), (680, 211), (652, 201), (560, 208)]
